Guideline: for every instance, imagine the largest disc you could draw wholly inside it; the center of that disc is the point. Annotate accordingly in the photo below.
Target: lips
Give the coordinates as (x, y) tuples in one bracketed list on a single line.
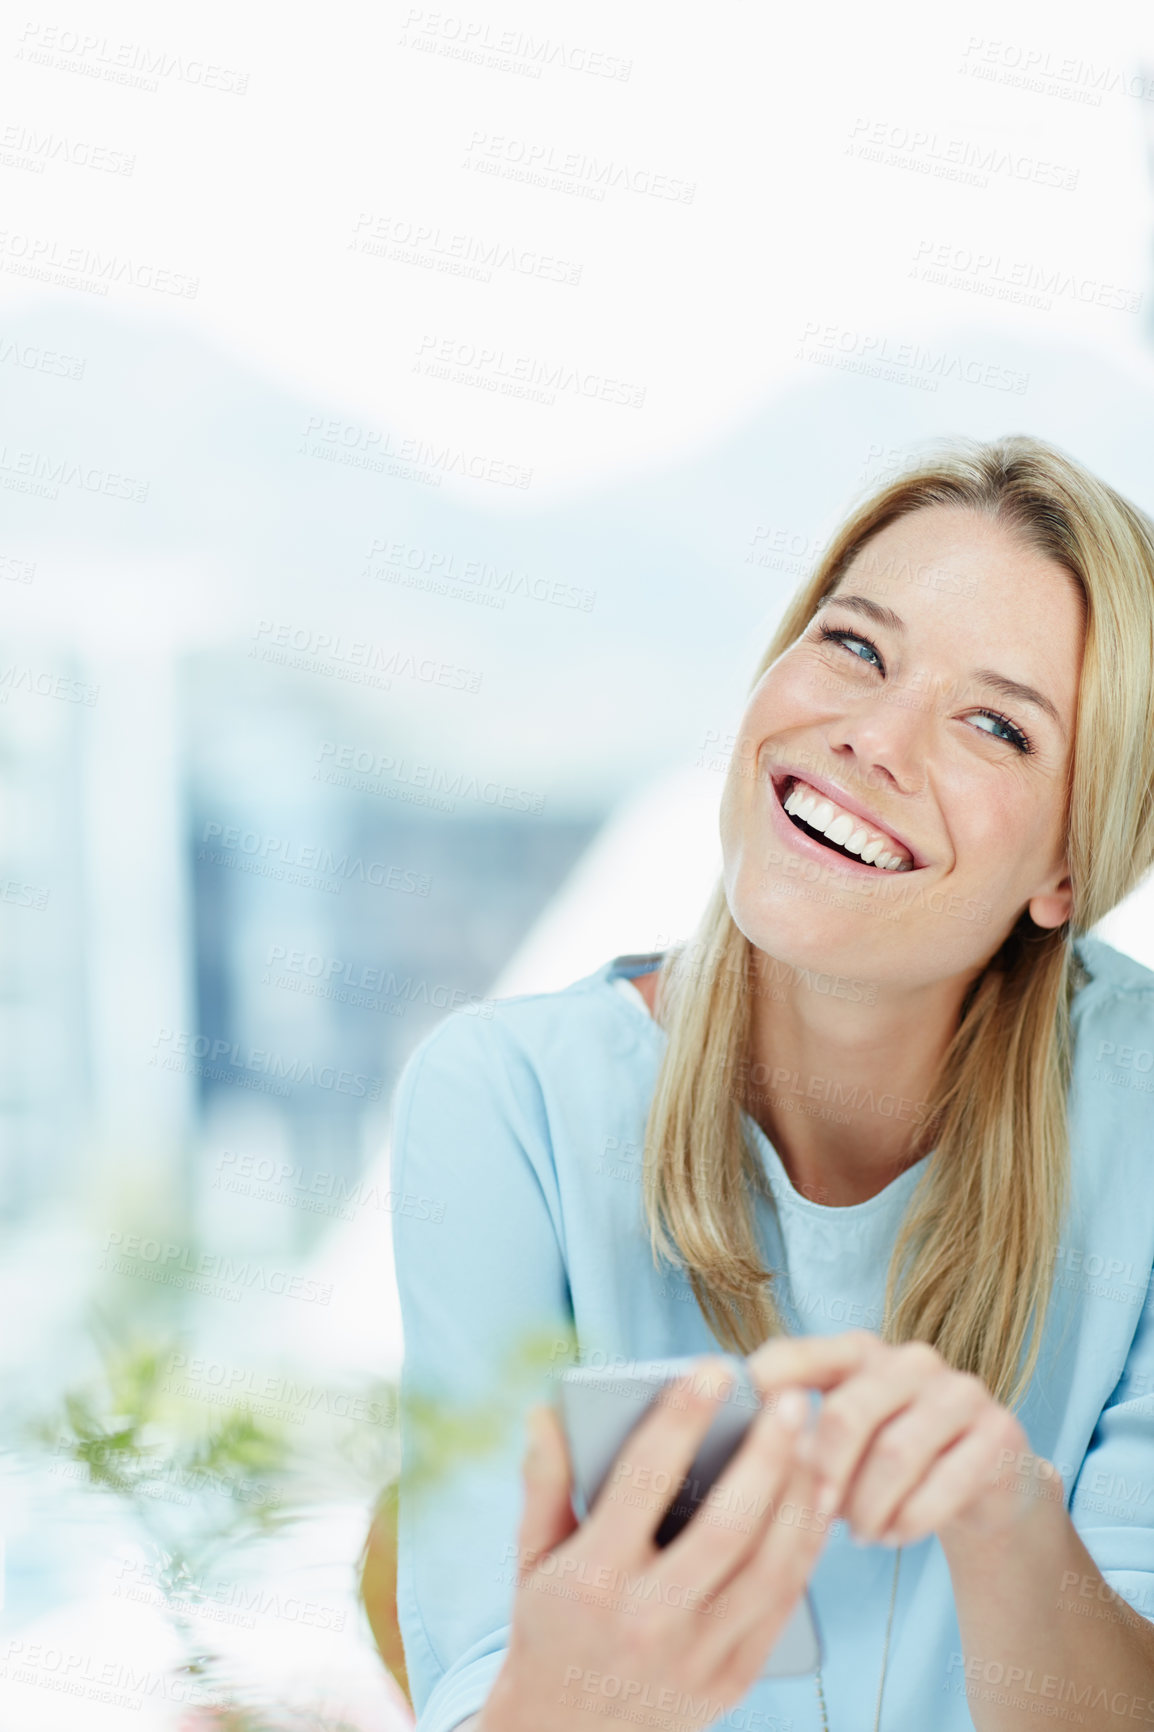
[(783, 777)]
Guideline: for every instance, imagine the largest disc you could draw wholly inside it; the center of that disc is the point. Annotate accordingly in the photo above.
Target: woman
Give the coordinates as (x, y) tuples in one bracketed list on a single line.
[(891, 1084)]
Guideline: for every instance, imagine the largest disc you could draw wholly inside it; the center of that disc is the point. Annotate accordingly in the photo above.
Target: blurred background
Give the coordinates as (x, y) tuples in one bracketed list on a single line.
[(412, 425)]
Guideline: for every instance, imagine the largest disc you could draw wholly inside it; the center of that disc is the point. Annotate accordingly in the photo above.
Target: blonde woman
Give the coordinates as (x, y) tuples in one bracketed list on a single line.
[(886, 1126)]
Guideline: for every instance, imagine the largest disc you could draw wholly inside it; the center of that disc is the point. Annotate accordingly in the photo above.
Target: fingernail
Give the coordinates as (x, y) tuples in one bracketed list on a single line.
[(791, 1409), (827, 1497)]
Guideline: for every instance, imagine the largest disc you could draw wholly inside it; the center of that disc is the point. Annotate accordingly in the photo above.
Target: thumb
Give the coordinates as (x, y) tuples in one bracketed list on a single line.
[(547, 1517)]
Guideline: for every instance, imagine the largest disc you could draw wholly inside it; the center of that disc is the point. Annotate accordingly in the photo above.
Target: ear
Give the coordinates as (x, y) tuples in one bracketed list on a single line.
[(1052, 907)]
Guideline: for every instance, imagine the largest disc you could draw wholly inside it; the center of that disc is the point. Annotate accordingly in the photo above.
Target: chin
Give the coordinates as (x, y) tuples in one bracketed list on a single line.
[(786, 918), (809, 926)]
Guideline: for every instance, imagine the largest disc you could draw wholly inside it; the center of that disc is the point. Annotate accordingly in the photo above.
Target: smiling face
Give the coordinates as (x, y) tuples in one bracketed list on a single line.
[(919, 758)]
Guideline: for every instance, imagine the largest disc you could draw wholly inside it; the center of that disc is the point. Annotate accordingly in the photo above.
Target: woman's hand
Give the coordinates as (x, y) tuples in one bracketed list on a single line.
[(904, 1446), (605, 1621)]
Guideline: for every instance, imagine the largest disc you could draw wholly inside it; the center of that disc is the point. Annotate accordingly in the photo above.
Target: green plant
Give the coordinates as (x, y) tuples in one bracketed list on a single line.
[(199, 1483), (194, 1488)]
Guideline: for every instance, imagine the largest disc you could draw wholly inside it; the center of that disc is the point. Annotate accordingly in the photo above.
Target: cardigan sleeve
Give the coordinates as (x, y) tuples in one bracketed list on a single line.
[(1112, 1499), (487, 1320)]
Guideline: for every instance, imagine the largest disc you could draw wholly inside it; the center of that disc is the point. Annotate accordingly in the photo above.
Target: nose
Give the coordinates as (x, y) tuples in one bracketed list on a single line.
[(882, 738)]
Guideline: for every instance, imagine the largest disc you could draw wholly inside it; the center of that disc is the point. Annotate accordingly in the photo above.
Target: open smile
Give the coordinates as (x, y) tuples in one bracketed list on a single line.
[(883, 852)]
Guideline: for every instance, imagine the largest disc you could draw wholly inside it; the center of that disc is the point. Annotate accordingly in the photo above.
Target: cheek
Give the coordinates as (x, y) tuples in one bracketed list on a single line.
[(999, 825), (997, 843), (741, 774), (736, 794), (804, 680)]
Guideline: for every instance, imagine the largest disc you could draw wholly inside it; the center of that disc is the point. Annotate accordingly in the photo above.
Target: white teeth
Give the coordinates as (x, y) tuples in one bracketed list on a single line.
[(838, 827)]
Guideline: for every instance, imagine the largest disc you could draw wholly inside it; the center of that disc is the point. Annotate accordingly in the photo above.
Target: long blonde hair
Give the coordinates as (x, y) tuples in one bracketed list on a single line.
[(973, 1263)]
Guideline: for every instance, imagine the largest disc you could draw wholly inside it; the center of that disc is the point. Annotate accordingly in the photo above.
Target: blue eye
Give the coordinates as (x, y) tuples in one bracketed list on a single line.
[(1013, 735), (841, 636)]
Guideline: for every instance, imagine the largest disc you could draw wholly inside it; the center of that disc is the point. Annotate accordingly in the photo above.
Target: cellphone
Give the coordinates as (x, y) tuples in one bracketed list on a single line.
[(601, 1408)]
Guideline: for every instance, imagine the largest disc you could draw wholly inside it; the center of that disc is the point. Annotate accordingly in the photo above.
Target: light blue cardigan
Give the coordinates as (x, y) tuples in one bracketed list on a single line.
[(516, 1161)]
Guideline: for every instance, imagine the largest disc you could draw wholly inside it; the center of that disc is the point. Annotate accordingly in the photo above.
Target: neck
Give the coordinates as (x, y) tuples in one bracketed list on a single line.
[(840, 1086)]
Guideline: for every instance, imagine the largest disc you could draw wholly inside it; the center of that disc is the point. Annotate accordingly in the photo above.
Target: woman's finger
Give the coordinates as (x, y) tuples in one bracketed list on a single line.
[(547, 1514), (761, 1596), (903, 1451), (970, 1467), (854, 1411), (654, 1461), (732, 1518), (817, 1361)]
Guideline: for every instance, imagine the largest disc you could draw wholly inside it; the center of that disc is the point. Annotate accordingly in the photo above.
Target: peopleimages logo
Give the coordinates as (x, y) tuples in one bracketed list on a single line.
[(281, 1182), (475, 257), (135, 63), (364, 978), (41, 253), (443, 568), (374, 767), (309, 864), (484, 44), (221, 1056), (175, 1259)]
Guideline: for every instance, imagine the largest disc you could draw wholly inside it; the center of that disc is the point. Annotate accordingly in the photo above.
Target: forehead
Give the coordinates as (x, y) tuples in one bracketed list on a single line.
[(945, 551)]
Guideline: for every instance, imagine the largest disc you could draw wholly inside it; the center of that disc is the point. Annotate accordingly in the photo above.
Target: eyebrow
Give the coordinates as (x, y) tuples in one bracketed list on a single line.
[(1013, 690)]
